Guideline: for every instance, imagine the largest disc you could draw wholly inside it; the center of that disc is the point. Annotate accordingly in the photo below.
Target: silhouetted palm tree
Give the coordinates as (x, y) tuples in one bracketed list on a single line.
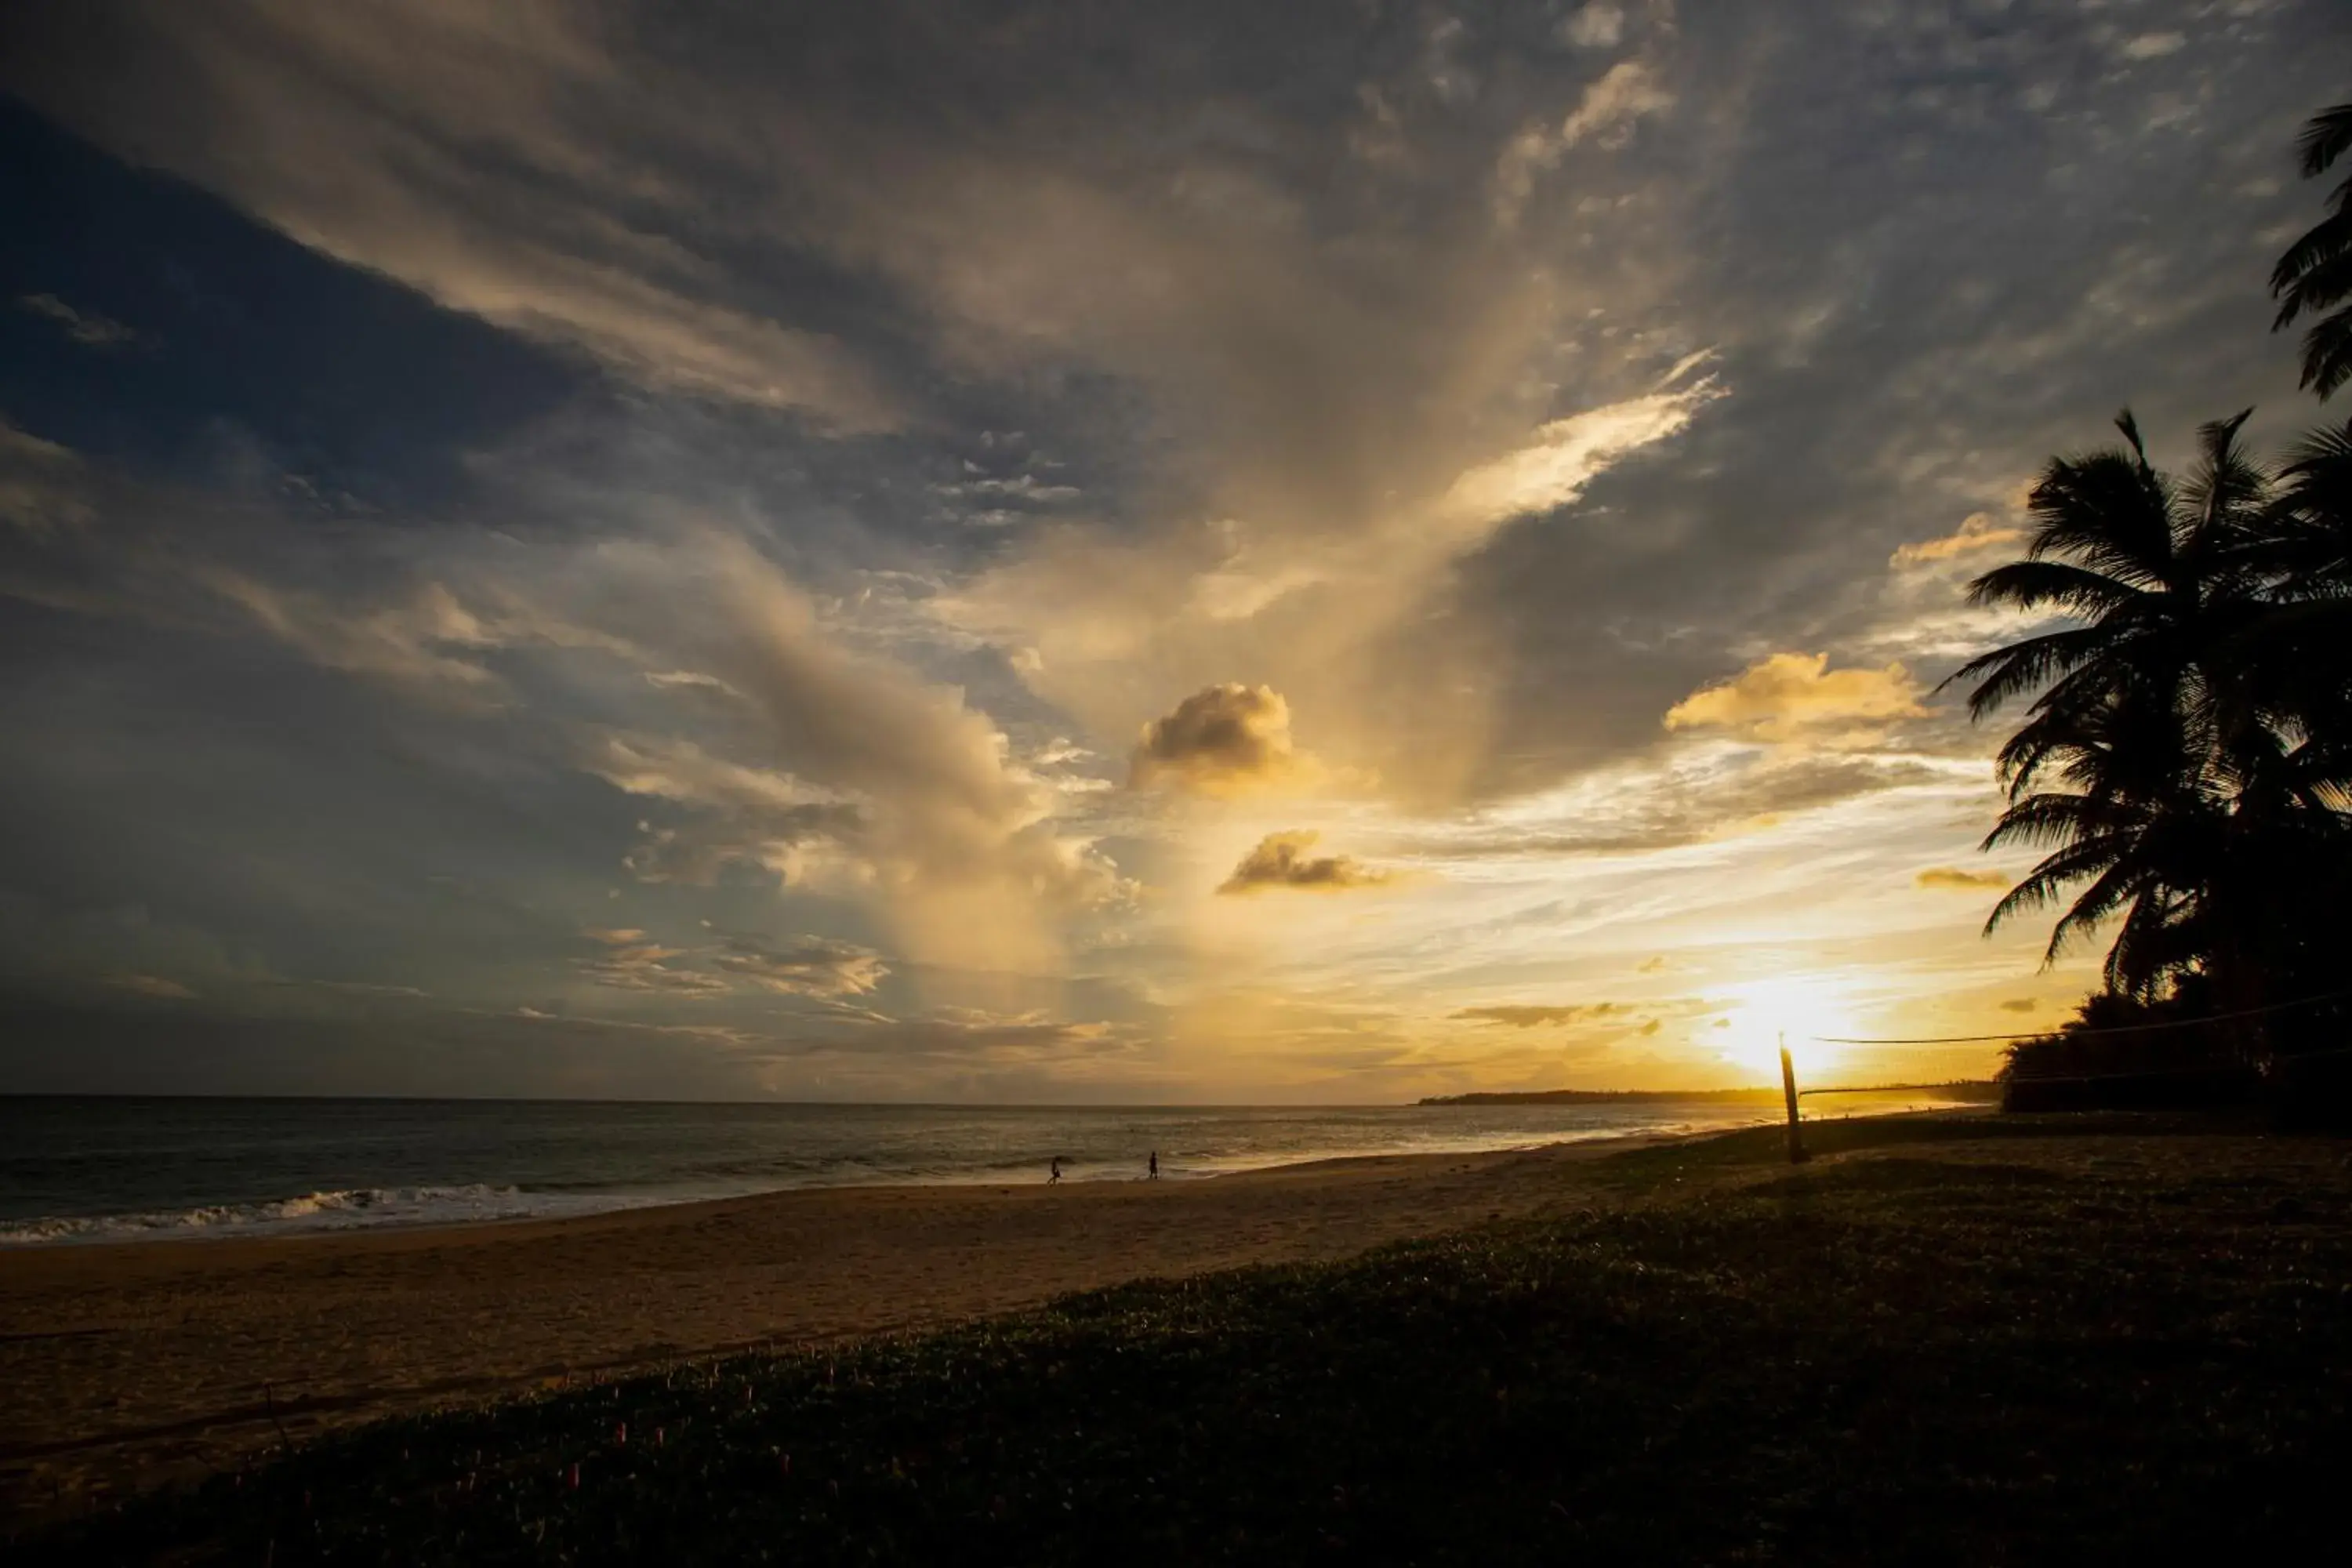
[(2149, 734), (2299, 654), (2314, 276)]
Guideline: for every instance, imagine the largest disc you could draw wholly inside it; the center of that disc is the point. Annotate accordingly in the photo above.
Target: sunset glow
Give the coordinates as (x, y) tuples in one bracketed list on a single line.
[(590, 558)]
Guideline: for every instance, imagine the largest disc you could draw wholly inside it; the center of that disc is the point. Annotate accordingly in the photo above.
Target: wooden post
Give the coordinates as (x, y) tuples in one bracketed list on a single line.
[(1797, 1155)]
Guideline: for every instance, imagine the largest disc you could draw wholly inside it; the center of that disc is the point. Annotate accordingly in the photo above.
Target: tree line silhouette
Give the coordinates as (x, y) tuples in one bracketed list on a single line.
[(2185, 759)]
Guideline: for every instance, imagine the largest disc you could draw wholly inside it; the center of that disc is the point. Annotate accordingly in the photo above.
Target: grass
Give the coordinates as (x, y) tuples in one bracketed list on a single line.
[(1959, 1350)]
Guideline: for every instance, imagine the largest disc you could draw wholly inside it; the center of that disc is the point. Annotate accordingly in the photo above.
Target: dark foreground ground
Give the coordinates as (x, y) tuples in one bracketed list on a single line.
[(1966, 1340)]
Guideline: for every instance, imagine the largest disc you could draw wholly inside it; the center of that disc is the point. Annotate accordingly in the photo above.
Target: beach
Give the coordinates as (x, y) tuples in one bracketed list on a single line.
[(131, 1365), (1952, 1336)]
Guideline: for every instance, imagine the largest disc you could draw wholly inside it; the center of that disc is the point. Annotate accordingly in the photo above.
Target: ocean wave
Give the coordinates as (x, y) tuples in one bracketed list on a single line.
[(349, 1209)]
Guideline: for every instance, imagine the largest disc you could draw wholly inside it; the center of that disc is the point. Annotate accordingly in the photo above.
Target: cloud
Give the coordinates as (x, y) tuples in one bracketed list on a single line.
[(1594, 25), (1693, 797), (1605, 114), (1224, 741), (1980, 530), (465, 154), (1333, 427), (645, 966), (1530, 1016), (811, 966), (153, 985), (85, 327), (44, 488), (1791, 695), (871, 782), (1954, 879), (2022, 1004), (743, 815), (2154, 45), (978, 1039), (424, 639), (687, 680), (1554, 468), (1280, 860)]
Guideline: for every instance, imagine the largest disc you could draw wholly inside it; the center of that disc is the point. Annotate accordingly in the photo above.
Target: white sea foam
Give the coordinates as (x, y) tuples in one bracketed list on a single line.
[(104, 1171), (352, 1209)]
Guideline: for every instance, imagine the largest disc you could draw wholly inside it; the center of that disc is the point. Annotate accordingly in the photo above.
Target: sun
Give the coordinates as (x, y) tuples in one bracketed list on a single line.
[(1802, 1010)]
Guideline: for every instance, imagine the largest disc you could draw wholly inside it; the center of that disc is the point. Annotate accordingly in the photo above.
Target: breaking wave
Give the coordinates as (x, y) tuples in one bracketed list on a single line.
[(350, 1209)]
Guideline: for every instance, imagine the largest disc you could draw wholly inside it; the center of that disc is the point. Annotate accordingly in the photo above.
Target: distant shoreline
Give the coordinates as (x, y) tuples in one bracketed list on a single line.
[(1970, 1092)]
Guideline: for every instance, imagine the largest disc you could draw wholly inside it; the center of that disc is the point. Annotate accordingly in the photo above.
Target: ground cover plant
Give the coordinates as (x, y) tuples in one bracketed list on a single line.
[(1966, 1340)]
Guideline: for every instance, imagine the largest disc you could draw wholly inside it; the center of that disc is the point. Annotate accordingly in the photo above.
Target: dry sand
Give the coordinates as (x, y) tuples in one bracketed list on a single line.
[(131, 1363)]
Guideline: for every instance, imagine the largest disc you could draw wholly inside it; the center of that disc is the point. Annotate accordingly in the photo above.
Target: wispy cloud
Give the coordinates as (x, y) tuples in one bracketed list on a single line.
[(85, 327)]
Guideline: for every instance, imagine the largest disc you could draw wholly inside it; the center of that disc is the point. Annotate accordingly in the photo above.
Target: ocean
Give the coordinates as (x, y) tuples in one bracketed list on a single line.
[(91, 1170)]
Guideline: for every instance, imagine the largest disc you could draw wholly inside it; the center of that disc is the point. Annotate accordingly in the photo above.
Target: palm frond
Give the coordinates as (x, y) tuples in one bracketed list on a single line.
[(2327, 354), (2009, 672), (2324, 138), (2035, 584), (2224, 497), (2118, 885), (2059, 817), (2145, 948), (2109, 511), (2324, 242)]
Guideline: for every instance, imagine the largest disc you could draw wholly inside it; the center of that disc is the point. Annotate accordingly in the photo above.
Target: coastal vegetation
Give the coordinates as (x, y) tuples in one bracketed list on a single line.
[(2185, 760), (1960, 1339)]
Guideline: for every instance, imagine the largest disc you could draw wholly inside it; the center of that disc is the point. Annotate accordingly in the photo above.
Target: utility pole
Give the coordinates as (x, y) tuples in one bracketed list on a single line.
[(1797, 1155)]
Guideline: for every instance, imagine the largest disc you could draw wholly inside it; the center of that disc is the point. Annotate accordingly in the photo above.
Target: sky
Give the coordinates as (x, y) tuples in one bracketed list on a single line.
[(1332, 552)]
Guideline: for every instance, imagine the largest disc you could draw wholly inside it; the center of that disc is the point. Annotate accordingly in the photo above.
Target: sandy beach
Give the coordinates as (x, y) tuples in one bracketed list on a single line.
[(133, 1363)]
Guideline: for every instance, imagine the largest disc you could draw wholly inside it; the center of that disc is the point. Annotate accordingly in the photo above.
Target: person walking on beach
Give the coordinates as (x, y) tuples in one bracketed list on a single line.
[(1057, 1172), (1155, 1164)]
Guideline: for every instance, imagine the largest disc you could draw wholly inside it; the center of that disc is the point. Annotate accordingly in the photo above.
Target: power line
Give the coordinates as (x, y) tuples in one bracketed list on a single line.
[(2077, 1034)]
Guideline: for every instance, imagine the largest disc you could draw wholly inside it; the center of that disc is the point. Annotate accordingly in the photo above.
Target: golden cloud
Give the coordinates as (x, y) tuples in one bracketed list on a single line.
[(1953, 879), (1792, 694), (1530, 1016), (1280, 860), (1565, 455), (1222, 740), (1980, 532)]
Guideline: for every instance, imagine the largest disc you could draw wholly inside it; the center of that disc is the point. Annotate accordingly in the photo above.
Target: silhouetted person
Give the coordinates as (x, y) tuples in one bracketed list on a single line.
[(1155, 1164), (1057, 1172)]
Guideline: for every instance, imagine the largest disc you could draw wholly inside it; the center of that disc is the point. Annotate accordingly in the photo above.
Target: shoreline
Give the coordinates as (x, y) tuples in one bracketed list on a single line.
[(1911, 1347), (169, 1232), (143, 1363)]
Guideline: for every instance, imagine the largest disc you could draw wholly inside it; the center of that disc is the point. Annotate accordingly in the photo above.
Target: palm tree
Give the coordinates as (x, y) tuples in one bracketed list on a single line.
[(2146, 730), (2315, 273), (2299, 656), (2143, 836)]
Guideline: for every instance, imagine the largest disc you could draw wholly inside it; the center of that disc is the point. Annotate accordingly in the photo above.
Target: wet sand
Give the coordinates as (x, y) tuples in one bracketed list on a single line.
[(128, 1364)]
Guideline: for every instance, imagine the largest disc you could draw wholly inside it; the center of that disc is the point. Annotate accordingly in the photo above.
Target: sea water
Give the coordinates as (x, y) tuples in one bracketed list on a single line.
[(120, 1168)]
